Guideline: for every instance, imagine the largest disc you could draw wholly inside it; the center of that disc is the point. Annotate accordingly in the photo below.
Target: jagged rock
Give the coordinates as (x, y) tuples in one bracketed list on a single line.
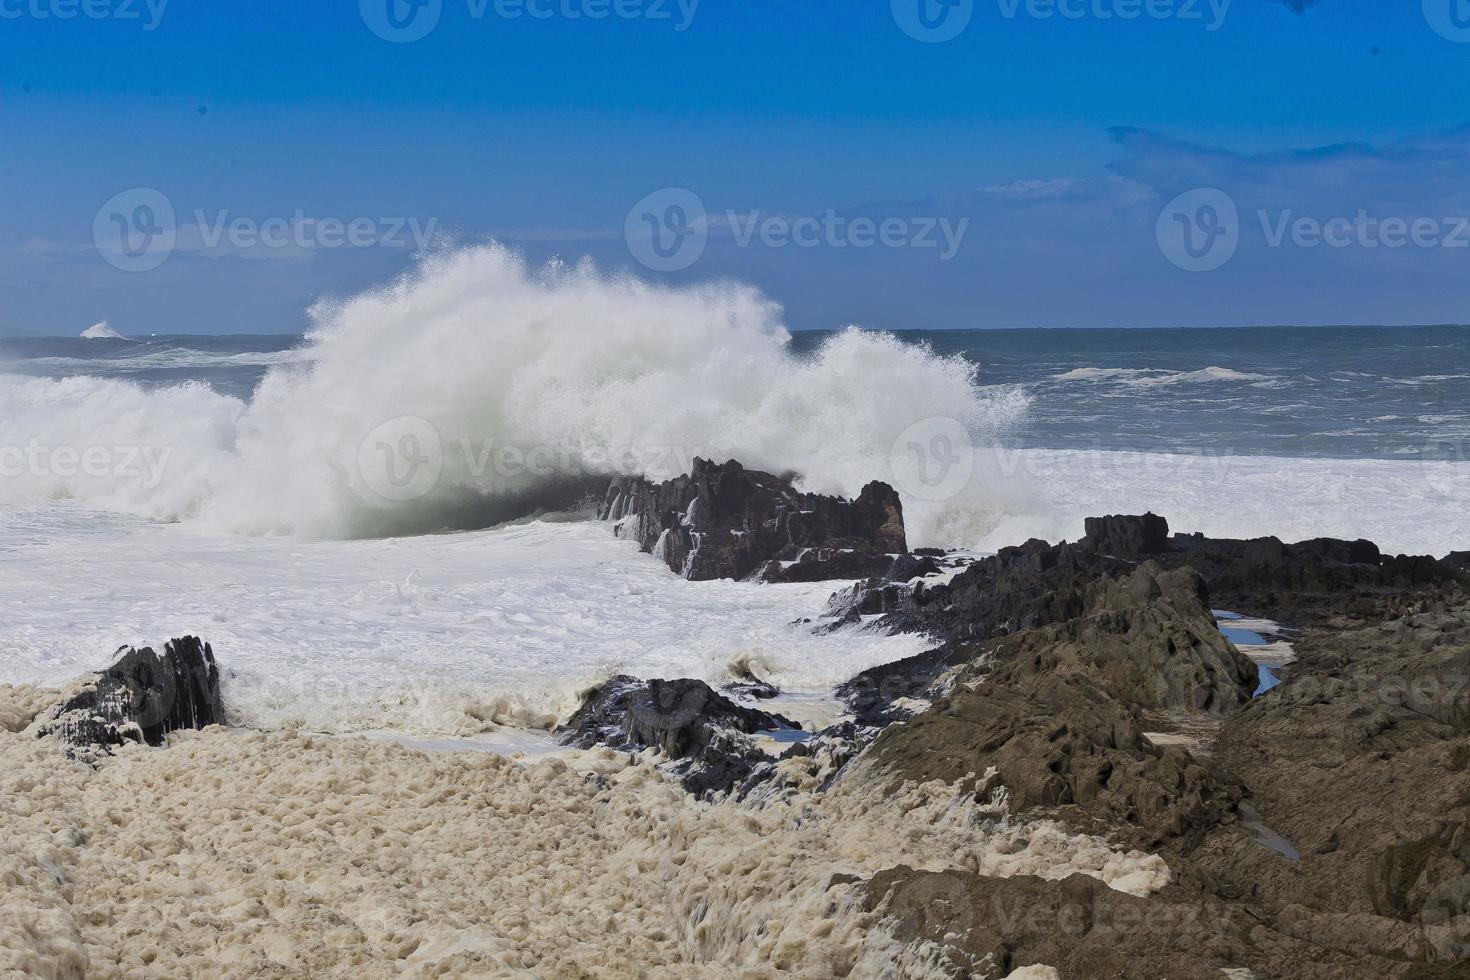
[(869, 597), (724, 521), (1310, 579), (807, 766), (1046, 718), (826, 565), (1126, 536), (754, 690), (141, 698), (1361, 758), (1056, 708), (980, 926), (704, 733), (1150, 633)]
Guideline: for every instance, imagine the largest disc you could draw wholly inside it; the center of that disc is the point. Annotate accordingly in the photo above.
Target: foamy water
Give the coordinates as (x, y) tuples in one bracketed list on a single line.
[(436, 635)]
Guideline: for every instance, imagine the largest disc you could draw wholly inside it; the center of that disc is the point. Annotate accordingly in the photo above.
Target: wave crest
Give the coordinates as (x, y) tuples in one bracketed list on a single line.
[(476, 361)]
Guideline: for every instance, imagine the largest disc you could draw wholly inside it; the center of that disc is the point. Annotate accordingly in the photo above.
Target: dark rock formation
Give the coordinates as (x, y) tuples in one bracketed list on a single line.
[(753, 690), (1300, 582), (1060, 743), (1057, 710), (704, 732), (978, 926), (1162, 645), (724, 521), (1126, 537), (1360, 759), (1018, 588), (1321, 830), (827, 565), (141, 698)]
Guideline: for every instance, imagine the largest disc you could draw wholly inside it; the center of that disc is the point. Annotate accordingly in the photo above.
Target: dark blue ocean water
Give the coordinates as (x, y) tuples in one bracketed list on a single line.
[(1350, 392), (1354, 392)]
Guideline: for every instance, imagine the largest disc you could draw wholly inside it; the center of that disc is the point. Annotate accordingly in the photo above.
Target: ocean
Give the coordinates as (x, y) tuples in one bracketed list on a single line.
[(371, 523), (1343, 392)]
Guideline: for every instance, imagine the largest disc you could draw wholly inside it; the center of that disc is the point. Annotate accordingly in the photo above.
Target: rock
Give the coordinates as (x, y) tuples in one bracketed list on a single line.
[(1057, 707), (1149, 631), (141, 698), (703, 732), (978, 926), (827, 565), (1018, 588), (1126, 537), (753, 690), (869, 597), (724, 521), (1326, 823), (1061, 743), (1366, 743), (1298, 583)]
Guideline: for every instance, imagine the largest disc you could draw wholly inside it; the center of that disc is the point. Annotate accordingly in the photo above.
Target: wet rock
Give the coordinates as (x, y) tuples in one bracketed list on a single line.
[(1301, 582), (1126, 536), (1364, 747), (807, 766), (753, 690), (978, 926), (868, 597), (1060, 743), (972, 925), (826, 565), (142, 697), (704, 734), (1145, 632), (724, 521), (1054, 660), (1018, 588)]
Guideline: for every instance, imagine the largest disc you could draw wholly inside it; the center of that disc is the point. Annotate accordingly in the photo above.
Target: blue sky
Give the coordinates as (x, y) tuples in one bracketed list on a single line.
[(1047, 146)]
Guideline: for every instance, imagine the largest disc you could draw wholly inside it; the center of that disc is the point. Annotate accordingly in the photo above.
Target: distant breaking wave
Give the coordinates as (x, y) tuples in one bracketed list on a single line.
[(173, 357), (101, 331), (1149, 377)]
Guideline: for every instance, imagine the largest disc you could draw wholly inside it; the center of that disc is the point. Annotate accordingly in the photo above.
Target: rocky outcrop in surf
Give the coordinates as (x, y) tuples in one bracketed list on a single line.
[(142, 697), (705, 735), (724, 521)]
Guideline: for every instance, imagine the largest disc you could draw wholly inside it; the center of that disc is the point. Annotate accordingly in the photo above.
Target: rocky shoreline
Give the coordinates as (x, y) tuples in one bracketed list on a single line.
[(1318, 830), (1079, 699)]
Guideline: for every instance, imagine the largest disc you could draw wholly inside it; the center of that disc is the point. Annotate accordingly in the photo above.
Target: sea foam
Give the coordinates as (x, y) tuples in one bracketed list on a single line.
[(584, 373)]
